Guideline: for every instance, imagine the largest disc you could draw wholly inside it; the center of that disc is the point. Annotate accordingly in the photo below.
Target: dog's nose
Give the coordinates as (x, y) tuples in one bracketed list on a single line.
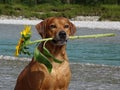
[(62, 35)]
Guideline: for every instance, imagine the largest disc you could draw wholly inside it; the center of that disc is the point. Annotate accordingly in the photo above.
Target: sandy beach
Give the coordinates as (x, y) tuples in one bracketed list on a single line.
[(81, 24)]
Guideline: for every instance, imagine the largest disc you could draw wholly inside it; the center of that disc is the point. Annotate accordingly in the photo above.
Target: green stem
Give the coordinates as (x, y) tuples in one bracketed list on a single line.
[(77, 37), (37, 41), (92, 36)]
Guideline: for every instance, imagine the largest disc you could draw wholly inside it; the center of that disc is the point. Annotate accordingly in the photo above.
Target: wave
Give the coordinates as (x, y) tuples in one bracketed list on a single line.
[(94, 65), (3, 57)]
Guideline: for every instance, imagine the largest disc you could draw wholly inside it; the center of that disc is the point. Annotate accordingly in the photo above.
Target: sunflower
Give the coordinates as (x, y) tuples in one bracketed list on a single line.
[(18, 47), (25, 38), (26, 31)]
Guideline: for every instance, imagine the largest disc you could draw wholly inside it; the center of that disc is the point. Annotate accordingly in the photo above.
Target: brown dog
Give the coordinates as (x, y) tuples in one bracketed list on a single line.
[(36, 76)]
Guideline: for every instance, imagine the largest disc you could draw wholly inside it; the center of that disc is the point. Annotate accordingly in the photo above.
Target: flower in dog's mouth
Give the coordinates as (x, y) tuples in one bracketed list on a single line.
[(26, 31), (24, 41), (25, 38)]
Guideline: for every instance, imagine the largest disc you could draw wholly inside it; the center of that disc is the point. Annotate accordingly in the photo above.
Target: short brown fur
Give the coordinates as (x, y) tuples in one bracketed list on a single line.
[(35, 76)]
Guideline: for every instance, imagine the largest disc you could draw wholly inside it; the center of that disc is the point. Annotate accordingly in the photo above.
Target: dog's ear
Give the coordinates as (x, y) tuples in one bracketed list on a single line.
[(41, 28), (72, 29)]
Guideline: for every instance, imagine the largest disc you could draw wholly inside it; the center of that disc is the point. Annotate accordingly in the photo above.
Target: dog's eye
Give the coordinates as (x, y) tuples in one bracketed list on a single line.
[(52, 26), (66, 26)]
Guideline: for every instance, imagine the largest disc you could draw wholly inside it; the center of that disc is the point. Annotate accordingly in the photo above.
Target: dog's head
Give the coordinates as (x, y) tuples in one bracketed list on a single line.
[(58, 28)]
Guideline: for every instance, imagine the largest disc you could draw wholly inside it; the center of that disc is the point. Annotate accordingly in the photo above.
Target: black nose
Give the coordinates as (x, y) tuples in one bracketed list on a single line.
[(62, 35)]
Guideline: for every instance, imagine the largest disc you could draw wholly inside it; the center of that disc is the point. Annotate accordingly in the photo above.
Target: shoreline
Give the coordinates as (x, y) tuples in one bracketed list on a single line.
[(79, 24)]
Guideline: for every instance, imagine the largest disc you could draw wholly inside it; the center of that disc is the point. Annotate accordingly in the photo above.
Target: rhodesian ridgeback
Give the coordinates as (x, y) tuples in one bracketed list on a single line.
[(35, 76)]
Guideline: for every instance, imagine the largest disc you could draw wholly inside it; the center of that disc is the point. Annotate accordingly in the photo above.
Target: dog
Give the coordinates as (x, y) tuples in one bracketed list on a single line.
[(35, 76)]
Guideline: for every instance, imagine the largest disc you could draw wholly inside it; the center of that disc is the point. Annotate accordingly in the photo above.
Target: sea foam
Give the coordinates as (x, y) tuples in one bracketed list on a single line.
[(2, 57), (81, 24)]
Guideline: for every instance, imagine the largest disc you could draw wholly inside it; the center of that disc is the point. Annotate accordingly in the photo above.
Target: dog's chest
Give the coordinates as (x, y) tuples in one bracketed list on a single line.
[(60, 76), (60, 69)]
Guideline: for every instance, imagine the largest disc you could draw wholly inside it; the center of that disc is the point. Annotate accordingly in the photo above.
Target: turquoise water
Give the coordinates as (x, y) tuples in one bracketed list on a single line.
[(92, 75), (98, 51)]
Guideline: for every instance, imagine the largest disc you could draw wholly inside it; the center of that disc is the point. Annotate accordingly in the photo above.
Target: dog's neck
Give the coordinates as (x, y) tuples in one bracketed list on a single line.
[(58, 51)]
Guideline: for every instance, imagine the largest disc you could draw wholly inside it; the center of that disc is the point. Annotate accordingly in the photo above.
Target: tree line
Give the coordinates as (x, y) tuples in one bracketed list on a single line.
[(56, 2)]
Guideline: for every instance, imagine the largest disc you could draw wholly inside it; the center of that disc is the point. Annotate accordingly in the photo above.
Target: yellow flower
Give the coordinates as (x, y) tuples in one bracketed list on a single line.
[(25, 37), (26, 31), (18, 47)]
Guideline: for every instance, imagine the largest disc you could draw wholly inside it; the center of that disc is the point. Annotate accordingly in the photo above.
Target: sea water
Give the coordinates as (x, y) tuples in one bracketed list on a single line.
[(98, 51), (95, 63)]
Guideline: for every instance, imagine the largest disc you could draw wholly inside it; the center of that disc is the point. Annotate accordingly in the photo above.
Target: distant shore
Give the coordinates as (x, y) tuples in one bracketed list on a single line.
[(81, 24), (77, 18)]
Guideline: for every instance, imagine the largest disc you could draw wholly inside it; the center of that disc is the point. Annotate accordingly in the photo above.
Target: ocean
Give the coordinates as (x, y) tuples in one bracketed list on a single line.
[(95, 63), (98, 51)]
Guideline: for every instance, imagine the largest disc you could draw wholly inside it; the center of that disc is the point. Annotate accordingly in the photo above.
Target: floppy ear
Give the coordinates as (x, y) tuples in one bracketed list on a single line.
[(72, 29), (41, 28)]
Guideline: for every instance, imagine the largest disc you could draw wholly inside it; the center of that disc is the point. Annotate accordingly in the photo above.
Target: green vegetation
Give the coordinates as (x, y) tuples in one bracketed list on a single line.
[(111, 12), (106, 9)]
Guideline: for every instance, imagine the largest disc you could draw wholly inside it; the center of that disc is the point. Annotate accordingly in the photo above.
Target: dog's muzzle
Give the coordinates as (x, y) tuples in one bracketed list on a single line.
[(61, 38)]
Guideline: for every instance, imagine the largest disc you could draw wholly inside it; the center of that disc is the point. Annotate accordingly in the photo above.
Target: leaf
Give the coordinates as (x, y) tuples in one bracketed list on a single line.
[(48, 54), (38, 56), (26, 47), (56, 60), (28, 53)]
